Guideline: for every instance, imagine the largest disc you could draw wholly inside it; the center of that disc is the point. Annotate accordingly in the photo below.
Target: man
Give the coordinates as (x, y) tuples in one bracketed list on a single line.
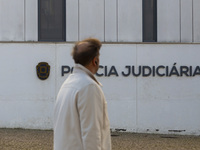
[(80, 116)]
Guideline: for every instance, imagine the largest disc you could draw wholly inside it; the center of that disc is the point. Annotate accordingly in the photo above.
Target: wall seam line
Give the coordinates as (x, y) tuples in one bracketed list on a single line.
[(136, 91), (24, 20), (117, 20), (192, 20), (55, 49), (66, 21), (78, 20), (180, 19), (104, 21)]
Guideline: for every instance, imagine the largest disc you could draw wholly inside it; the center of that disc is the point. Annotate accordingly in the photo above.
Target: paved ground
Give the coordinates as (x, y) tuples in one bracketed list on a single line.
[(18, 139)]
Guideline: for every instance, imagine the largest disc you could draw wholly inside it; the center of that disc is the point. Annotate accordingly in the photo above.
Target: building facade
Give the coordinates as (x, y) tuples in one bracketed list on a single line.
[(150, 68)]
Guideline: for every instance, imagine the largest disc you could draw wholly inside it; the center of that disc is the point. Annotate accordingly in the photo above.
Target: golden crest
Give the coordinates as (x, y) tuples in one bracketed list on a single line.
[(43, 70)]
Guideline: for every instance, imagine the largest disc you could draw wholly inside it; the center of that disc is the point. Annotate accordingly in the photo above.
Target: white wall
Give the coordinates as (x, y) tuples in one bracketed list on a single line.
[(168, 103), (139, 104), (26, 101), (12, 20), (108, 20), (178, 21), (91, 18), (31, 20), (186, 21), (196, 20), (130, 21), (72, 21), (168, 20), (111, 21), (18, 20)]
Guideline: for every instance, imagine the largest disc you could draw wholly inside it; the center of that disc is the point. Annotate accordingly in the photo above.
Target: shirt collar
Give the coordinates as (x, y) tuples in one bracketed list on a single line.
[(78, 67)]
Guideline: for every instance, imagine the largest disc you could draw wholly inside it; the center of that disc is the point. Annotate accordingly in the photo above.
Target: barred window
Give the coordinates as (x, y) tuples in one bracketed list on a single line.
[(149, 21), (51, 23)]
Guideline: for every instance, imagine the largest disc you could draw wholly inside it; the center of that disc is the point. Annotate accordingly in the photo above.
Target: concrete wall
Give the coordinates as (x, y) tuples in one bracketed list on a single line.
[(151, 104), (108, 20), (155, 104), (178, 21), (18, 20)]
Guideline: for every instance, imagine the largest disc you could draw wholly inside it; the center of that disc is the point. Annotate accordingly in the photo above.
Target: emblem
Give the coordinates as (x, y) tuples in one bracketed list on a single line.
[(43, 70)]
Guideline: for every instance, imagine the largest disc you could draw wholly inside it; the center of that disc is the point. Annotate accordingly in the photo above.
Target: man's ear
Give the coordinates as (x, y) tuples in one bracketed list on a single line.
[(94, 61)]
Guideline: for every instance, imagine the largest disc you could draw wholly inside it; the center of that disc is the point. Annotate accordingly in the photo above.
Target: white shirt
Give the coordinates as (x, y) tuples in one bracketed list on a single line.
[(80, 116)]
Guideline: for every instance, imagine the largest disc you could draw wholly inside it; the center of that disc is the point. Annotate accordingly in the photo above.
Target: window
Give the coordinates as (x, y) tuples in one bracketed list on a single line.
[(149, 21), (51, 24)]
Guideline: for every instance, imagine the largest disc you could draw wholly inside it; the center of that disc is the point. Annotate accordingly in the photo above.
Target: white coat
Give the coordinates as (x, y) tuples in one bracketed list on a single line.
[(80, 115)]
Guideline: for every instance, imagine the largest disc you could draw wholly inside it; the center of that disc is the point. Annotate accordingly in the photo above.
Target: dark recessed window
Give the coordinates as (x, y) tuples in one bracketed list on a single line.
[(149, 21), (51, 24)]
